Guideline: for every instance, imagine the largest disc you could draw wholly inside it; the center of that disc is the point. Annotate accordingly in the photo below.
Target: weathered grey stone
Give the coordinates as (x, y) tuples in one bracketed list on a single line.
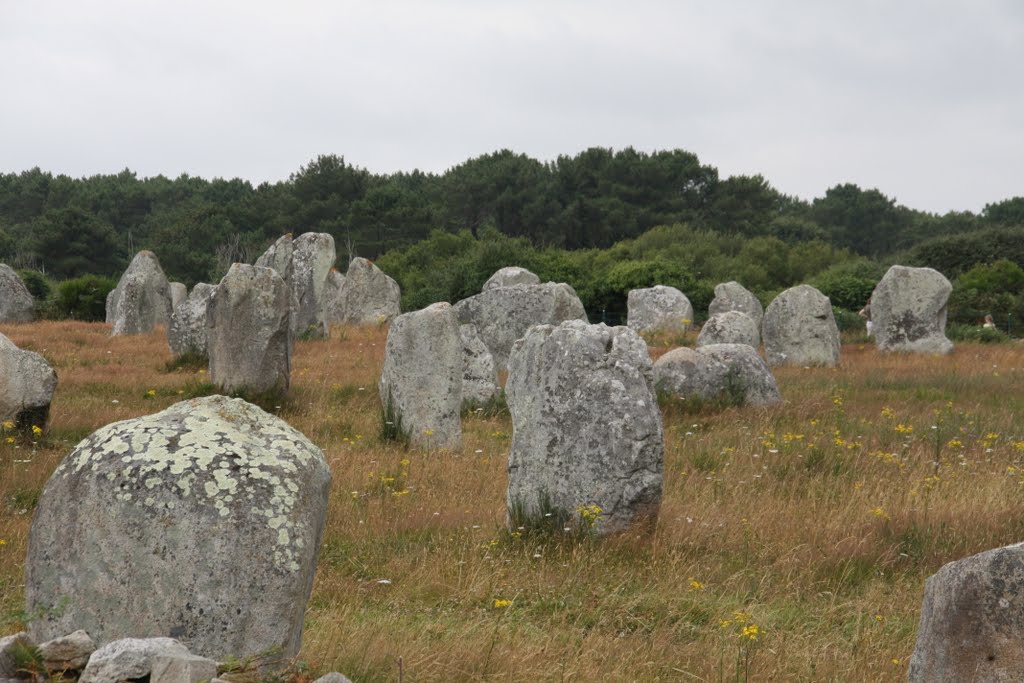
[(732, 296), (729, 327), (479, 376), (16, 302), (143, 298), (27, 383), (422, 376), (12, 648), (312, 260), (278, 257), (368, 296), (509, 277), (687, 373), (177, 668), (111, 306), (333, 677), (333, 312), (658, 309), (504, 314), (799, 329), (179, 292), (972, 621), (248, 338), (68, 653), (202, 522), (187, 332), (747, 373), (908, 310), (586, 428), (128, 659)]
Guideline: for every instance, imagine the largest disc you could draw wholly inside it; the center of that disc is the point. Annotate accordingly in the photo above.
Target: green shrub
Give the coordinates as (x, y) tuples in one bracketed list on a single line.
[(975, 333), (36, 283), (83, 298)]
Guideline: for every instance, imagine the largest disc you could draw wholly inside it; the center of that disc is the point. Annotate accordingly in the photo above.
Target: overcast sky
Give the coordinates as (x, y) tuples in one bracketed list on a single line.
[(922, 99)]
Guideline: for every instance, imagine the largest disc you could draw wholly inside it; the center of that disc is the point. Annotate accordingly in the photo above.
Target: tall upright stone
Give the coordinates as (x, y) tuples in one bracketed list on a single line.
[(179, 292), (27, 383), (312, 261), (368, 295), (732, 296), (972, 621), (202, 522), (143, 298), (421, 383), (333, 312), (908, 310), (16, 302), (278, 256), (479, 375), (504, 314), (187, 333), (248, 337), (587, 441), (510, 276), (800, 329), (658, 309)]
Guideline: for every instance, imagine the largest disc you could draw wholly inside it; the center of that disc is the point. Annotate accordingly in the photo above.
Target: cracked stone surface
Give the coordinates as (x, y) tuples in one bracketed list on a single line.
[(732, 296), (799, 329)]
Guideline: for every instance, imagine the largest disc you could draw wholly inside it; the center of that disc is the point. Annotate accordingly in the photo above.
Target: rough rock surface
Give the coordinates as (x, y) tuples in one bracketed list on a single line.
[(143, 298), (732, 296), (509, 277), (972, 620), (586, 428), (10, 646), (799, 329), (111, 306), (368, 296), (27, 383), (422, 376), (187, 332), (687, 373), (504, 314), (177, 668), (248, 338), (658, 309), (278, 257), (16, 302), (68, 653), (747, 372), (333, 312), (908, 309), (202, 522), (179, 293), (479, 376), (312, 261), (729, 327), (128, 659)]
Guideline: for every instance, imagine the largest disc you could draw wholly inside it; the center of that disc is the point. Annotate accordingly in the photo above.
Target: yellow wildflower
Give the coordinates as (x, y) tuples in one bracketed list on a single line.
[(501, 604)]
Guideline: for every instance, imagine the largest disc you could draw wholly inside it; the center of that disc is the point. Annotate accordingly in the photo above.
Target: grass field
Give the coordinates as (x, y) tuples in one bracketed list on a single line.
[(793, 542)]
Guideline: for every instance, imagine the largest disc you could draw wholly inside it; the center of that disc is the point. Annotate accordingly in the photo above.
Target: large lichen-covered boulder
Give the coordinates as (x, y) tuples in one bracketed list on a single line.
[(312, 261), (729, 327), (504, 314), (908, 311), (201, 522), (510, 276), (179, 292), (187, 332), (658, 309), (421, 383), (799, 329), (248, 338), (749, 380), (27, 383), (731, 373), (368, 295), (972, 621), (143, 298), (16, 302), (587, 441), (732, 296), (479, 376), (332, 310)]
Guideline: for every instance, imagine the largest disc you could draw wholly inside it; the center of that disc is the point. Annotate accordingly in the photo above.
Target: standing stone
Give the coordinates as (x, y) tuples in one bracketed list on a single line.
[(729, 327), (248, 338), (187, 333), (479, 376), (202, 521), (732, 296), (27, 383), (504, 314), (732, 373), (333, 312), (111, 306), (278, 256), (659, 309), (748, 374), (143, 298), (511, 276), (16, 302), (799, 329), (586, 428), (972, 621), (179, 293), (368, 296), (312, 260), (908, 310), (422, 376)]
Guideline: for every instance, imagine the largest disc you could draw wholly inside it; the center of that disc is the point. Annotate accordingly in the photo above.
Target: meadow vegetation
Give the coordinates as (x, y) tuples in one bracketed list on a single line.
[(793, 541)]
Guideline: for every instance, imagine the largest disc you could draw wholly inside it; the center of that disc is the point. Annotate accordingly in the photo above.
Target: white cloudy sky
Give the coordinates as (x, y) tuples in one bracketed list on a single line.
[(921, 99)]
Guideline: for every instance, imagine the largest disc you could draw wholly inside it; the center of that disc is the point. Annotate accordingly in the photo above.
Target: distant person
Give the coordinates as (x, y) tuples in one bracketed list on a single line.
[(866, 314), (989, 323)]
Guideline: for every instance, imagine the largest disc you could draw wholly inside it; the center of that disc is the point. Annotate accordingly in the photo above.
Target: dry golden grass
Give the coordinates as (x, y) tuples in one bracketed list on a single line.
[(818, 520)]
